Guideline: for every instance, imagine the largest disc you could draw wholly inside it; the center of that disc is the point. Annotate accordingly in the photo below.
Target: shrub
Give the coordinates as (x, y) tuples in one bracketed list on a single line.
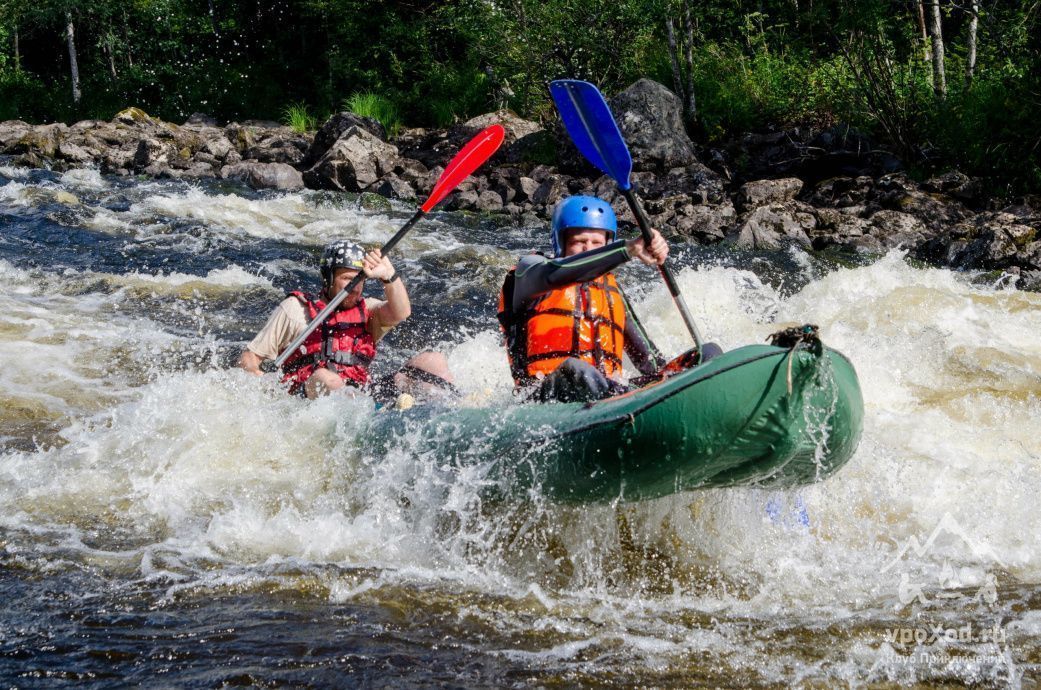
[(379, 108)]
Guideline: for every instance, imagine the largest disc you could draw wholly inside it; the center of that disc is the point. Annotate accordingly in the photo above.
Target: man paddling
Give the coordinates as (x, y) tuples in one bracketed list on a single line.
[(339, 352), (565, 319)]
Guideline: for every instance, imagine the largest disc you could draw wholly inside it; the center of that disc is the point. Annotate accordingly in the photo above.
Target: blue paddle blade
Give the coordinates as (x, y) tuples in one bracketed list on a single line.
[(591, 125)]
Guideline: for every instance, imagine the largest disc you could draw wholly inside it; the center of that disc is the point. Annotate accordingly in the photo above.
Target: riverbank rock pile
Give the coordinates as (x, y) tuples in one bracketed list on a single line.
[(819, 189)]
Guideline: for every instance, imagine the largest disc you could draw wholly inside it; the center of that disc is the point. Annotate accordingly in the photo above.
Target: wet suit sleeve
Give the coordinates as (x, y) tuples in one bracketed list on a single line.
[(638, 345), (536, 274)]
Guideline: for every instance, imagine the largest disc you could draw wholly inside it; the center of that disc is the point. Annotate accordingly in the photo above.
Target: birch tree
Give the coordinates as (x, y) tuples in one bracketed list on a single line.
[(74, 69), (936, 36), (970, 58)]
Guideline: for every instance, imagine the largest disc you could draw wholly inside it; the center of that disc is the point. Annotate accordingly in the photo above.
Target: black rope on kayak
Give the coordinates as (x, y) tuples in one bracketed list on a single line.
[(806, 335)]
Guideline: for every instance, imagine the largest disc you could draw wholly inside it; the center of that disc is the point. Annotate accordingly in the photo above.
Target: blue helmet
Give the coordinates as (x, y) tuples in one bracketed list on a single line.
[(586, 212)]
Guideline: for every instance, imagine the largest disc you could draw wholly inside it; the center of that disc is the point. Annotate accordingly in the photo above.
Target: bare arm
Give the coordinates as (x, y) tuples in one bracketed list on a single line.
[(397, 308), (250, 361)]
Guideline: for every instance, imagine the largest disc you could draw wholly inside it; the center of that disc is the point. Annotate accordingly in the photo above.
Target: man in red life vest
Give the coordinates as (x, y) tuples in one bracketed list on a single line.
[(339, 352), (565, 318)]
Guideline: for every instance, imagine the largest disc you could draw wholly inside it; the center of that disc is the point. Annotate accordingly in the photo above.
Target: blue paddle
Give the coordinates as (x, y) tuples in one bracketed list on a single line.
[(592, 127)]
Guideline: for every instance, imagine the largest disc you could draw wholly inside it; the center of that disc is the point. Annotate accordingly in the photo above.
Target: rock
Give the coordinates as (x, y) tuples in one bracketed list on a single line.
[(526, 188), (896, 230), (522, 136), (42, 140), (762, 192), (265, 175), (375, 203), (461, 201), (650, 118), (489, 202), (897, 193), (218, 147), (334, 128), (551, 191), (11, 132), (957, 185), (279, 146), (767, 227), (390, 185), (706, 224), (133, 116), (201, 119), (240, 136), (354, 162), (152, 154), (76, 154)]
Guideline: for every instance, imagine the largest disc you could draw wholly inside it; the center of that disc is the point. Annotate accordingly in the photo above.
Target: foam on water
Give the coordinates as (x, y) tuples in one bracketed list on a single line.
[(290, 217), (89, 179)]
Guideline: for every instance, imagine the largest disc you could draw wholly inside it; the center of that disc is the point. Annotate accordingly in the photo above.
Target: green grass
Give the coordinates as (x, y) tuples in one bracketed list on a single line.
[(379, 108), (297, 116)]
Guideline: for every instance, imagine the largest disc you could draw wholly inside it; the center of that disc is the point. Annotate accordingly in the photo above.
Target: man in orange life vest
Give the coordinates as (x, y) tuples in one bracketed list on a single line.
[(565, 318), (337, 353)]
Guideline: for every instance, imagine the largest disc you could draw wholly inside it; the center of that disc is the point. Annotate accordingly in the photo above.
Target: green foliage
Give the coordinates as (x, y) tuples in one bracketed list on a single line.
[(297, 116), (379, 108), (433, 62)]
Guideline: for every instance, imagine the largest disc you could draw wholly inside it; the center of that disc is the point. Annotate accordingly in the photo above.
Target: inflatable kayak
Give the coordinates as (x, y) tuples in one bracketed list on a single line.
[(756, 416)]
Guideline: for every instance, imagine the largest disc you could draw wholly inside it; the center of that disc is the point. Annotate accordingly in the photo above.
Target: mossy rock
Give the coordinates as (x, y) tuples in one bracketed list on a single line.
[(132, 115), (371, 201)]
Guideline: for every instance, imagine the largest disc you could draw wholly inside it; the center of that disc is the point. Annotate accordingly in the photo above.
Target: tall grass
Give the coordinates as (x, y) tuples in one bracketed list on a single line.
[(379, 108), (299, 118)]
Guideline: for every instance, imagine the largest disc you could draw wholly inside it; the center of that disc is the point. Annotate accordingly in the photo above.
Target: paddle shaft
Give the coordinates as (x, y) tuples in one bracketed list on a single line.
[(342, 295), (666, 274)]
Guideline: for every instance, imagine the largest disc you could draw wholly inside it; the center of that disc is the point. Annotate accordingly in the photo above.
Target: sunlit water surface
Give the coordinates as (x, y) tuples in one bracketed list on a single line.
[(167, 520)]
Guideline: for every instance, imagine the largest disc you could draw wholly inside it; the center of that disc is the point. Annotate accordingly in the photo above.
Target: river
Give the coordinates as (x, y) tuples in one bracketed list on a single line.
[(168, 521)]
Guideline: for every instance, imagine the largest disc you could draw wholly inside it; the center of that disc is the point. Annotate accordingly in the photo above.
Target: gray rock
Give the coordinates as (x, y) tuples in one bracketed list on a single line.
[(353, 163), (706, 224), (265, 175), (896, 230), (76, 154), (551, 191), (526, 188), (768, 227), (152, 154), (461, 201), (489, 202), (762, 192), (218, 147), (651, 120), (333, 129), (390, 185), (11, 132)]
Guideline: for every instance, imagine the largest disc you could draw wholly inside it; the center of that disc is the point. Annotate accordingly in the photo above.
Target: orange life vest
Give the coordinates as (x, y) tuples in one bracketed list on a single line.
[(341, 344), (584, 320)]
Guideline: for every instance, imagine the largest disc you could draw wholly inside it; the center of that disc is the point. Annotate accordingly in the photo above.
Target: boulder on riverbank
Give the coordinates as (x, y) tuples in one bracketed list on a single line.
[(817, 188)]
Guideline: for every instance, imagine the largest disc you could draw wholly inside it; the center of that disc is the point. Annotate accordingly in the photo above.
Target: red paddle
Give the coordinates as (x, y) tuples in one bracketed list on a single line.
[(477, 151)]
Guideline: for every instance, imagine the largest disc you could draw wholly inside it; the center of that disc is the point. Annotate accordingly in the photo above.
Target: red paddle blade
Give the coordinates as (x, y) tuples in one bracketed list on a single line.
[(477, 151)]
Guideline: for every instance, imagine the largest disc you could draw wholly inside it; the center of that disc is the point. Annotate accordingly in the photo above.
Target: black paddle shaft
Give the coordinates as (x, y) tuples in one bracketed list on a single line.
[(342, 295), (670, 281)]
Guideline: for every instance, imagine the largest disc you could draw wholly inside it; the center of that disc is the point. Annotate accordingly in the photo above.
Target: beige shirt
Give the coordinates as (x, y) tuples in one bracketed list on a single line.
[(289, 320)]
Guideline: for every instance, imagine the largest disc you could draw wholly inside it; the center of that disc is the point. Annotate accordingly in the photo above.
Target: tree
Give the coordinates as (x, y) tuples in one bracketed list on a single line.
[(970, 58), (74, 69), (936, 36), (684, 88)]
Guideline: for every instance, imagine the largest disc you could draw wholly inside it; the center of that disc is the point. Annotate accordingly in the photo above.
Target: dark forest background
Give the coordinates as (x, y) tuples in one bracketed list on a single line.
[(943, 83)]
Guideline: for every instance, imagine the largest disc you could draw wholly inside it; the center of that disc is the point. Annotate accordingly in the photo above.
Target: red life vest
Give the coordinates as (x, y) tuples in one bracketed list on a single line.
[(341, 344)]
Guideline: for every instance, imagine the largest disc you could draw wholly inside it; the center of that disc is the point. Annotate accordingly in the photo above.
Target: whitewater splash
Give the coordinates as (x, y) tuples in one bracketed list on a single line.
[(129, 445)]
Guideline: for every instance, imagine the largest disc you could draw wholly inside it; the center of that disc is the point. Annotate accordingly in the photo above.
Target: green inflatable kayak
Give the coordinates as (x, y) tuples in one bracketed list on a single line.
[(730, 421)]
